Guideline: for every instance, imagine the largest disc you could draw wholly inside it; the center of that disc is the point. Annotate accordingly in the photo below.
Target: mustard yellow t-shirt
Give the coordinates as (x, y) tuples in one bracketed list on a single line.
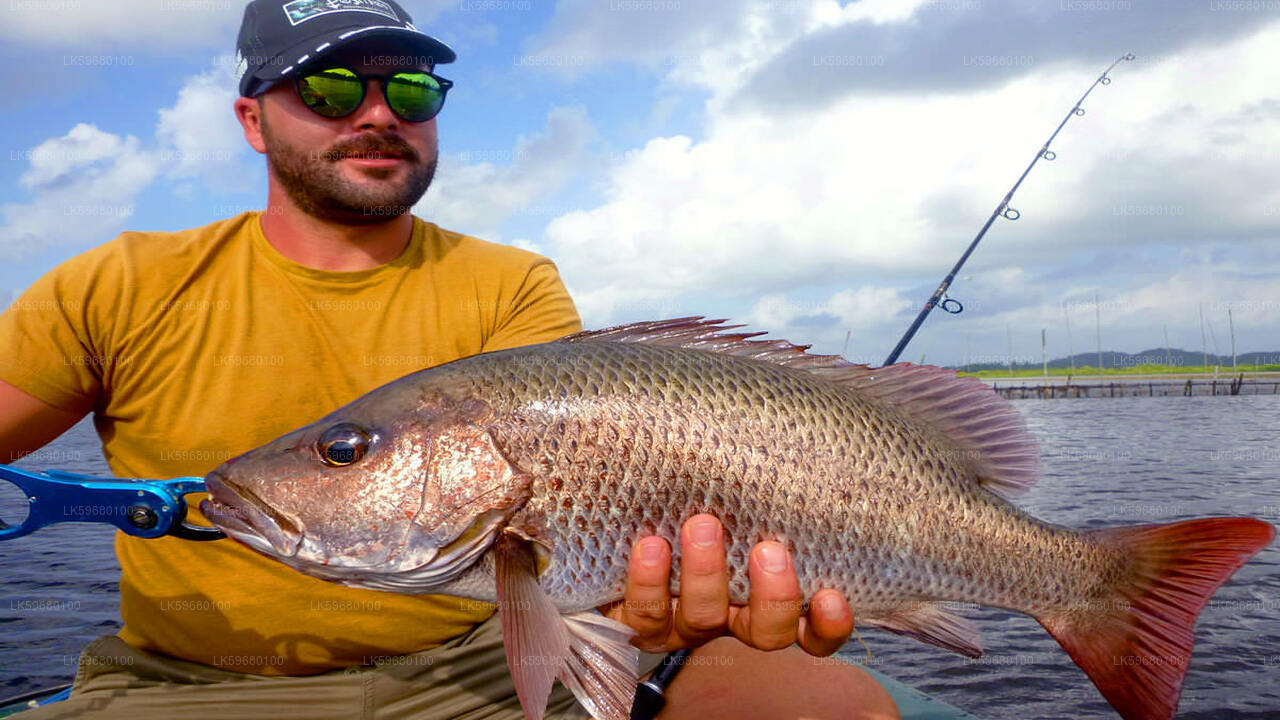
[(196, 346)]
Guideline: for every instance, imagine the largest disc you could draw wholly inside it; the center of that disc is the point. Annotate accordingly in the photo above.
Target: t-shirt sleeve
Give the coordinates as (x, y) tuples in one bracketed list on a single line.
[(50, 341), (541, 311)]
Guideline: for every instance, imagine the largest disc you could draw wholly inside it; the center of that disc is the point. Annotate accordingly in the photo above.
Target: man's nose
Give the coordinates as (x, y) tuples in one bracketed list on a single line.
[(374, 113)]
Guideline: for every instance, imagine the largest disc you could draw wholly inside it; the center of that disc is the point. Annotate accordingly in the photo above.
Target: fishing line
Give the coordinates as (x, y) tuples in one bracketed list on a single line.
[(953, 306), (864, 645)]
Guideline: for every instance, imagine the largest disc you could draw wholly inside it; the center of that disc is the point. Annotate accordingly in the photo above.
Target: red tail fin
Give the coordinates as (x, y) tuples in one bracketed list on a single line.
[(1135, 645)]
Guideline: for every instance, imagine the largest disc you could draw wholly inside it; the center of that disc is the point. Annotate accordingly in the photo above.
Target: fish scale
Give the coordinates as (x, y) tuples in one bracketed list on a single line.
[(534, 470), (777, 440)]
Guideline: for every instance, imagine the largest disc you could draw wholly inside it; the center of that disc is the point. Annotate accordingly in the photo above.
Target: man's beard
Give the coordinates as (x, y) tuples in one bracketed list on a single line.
[(316, 185)]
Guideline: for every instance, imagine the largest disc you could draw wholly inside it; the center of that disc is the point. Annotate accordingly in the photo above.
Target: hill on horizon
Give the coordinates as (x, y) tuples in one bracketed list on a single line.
[(1119, 359)]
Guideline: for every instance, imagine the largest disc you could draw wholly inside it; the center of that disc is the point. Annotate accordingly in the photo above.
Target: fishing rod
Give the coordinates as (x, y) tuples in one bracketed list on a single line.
[(953, 306)]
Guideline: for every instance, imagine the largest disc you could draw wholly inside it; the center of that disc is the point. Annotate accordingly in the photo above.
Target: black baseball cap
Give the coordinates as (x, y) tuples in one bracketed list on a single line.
[(279, 37)]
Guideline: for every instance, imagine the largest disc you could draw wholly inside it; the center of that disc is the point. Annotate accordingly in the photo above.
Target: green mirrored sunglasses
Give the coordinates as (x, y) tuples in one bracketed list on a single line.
[(415, 96)]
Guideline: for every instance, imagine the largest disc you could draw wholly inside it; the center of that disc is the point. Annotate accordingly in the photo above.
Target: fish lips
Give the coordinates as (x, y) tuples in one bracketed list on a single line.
[(247, 518)]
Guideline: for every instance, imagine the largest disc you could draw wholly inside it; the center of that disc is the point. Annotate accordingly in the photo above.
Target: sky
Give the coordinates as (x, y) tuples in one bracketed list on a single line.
[(810, 168)]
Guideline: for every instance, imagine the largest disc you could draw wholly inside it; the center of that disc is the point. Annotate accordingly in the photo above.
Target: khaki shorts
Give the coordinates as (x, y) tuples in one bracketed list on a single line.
[(464, 678)]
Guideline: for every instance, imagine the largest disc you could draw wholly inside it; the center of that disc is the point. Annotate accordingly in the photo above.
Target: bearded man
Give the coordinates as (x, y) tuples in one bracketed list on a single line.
[(211, 341)]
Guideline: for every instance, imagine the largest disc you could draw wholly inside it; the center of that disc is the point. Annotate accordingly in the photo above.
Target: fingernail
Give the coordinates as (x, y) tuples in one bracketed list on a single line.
[(705, 532), (773, 558), (651, 551)]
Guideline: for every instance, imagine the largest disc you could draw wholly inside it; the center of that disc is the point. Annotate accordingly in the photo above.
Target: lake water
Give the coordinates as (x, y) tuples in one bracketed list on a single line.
[(1107, 462)]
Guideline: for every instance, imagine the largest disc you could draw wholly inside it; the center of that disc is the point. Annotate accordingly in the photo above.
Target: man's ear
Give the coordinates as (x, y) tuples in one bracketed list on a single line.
[(249, 112)]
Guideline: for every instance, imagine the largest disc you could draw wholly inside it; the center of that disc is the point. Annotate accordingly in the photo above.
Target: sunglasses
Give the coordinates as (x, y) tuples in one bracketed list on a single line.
[(413, 95)]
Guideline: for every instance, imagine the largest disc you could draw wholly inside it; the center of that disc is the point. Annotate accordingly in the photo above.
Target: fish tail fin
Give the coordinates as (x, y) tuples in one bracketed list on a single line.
[(1135, 645)]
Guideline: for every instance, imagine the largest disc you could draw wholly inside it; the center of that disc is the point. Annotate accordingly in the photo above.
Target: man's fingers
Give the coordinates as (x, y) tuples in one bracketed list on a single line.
[(828, 625), (703, 610), (646, 604), (772, 617)]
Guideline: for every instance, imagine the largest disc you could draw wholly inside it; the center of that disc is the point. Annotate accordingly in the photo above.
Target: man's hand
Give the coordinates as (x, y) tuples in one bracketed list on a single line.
[(771, 619)]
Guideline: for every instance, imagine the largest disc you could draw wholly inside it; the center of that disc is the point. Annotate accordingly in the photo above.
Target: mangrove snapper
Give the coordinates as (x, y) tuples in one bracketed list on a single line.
[(523, 477)]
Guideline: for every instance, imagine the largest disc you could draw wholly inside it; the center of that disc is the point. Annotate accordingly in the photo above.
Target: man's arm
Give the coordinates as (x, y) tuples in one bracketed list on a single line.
[(27, 423)]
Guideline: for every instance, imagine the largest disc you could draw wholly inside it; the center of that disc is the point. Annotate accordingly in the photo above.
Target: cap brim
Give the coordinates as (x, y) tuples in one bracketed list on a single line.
[(408, 42)]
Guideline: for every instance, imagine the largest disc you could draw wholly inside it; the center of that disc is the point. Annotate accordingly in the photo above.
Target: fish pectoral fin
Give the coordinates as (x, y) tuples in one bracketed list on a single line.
[(589, 653), (536, 640), (930, 623), (603, 666), (542, 555)]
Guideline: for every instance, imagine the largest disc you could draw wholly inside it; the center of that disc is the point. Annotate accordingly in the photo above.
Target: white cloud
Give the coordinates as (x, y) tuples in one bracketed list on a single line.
[(144, 26), (86, 26), (84, 184), (476, 192), (199, 137), (864, 308), (867, 201), (700, 43)]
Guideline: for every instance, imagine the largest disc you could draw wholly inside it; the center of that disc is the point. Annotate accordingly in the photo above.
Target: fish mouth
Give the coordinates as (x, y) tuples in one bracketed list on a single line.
[(248, 518)]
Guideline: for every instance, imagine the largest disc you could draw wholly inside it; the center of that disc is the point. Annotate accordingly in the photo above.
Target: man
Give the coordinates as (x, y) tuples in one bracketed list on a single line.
[(192, 347)]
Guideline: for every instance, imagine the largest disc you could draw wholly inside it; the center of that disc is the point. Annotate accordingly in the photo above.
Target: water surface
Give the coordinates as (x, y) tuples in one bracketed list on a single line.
[(1107, 463)]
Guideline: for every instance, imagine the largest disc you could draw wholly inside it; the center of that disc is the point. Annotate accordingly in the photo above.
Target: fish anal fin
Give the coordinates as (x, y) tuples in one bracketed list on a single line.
[(931, 623), (602, 668)]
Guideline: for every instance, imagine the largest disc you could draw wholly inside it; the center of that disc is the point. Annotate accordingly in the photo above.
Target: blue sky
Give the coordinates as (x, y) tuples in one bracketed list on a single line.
[(809, 167)]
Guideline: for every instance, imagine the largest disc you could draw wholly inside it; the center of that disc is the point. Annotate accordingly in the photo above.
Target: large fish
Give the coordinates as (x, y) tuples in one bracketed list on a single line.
[(524, 476)]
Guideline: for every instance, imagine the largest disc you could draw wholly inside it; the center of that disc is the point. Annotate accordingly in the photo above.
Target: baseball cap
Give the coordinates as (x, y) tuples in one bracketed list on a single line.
[(279, 37)]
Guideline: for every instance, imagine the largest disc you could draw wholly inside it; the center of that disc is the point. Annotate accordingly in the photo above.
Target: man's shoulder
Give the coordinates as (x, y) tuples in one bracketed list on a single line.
[(140, 254), (159, 245), (449, 246)]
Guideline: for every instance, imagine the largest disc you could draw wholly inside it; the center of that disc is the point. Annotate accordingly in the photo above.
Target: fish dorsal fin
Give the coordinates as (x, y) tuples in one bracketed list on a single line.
[(986, 429)]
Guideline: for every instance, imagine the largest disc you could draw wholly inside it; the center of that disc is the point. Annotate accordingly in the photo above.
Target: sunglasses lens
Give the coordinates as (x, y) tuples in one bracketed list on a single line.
[(415, 96), (333, 93)]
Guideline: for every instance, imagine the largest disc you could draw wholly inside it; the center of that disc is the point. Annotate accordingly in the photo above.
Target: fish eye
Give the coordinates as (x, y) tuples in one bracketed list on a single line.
[(342, 445)]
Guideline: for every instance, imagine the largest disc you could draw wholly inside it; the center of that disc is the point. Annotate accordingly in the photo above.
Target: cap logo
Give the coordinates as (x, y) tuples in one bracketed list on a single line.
[(300, 11)]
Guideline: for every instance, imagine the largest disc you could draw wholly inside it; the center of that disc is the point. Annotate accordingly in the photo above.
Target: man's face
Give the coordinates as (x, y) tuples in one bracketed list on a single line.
[(366, 168)]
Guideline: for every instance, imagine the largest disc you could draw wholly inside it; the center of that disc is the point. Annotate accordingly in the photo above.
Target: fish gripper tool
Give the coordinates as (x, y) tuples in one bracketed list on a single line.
[(142, 508)]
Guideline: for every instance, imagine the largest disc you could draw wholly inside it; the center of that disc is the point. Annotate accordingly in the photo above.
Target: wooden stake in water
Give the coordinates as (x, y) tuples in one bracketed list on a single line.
[(1232, 325), (1204, 350), (1097, 320), (1071, 353), (1008, 332), (1044, 353), (1217, 356)]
